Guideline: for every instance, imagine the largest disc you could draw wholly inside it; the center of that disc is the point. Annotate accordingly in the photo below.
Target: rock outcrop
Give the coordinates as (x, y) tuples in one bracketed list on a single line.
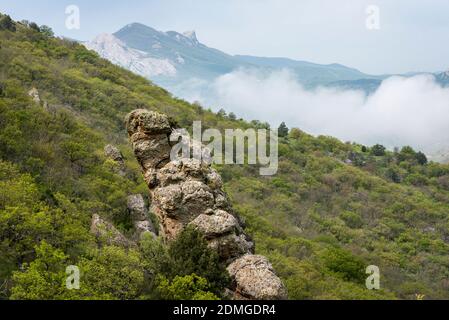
[(140, 216), (115, 155), (34, 94), (105, 232), (255, 279), (189, 192)]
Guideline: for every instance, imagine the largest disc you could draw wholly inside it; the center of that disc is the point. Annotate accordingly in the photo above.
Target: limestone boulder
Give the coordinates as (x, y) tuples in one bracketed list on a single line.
[(254, 278)]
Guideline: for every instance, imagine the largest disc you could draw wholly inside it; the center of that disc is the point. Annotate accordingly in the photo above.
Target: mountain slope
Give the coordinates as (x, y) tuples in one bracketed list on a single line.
[(114, 50), (332, 209)]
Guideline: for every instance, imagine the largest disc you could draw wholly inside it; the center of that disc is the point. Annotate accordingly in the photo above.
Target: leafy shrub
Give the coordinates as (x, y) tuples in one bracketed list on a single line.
[(378, 150), (187, 255), (189, 287), (352, 219), (345, 265)]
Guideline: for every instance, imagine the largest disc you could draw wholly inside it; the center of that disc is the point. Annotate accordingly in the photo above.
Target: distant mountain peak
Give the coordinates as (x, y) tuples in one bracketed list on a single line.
[(187, 38), (136, 25), (443, 78), (136, 28), (191, 35)]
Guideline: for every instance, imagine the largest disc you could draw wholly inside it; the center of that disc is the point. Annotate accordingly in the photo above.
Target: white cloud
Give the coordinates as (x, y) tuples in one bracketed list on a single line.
[(403, 111)]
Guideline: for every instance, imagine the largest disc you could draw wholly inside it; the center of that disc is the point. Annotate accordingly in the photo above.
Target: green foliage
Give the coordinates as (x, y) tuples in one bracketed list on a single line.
[(190, 255), (407, 153), (189, 287), (34, 26), (421, 158), (6, 23), (378, 150), (44, 278), (109, 274), (393, 174), (221, 113), (232, 116), (185, 256), (46, 31), (283, 130), (352, 219), (112, 273), (345, 265)]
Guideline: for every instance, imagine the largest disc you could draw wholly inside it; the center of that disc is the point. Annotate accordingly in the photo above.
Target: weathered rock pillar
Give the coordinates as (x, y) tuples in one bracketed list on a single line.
[(189, 192)]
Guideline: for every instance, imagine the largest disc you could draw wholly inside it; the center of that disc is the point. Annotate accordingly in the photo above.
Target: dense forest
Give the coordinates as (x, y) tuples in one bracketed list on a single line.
[(333, 209)]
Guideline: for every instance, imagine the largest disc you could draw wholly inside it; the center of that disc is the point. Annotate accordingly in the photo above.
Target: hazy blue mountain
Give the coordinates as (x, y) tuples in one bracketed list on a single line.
[(182, 64), (310, 74), (171, 58), (367, 85)]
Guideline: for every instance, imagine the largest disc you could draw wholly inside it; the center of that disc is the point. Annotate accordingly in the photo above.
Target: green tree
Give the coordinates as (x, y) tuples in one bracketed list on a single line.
[(34, 26), (344, 264), (47, 31), (232, 116), (378, 150), (421, 158), (283, 130), (189, 287), (6, 23), (406, 154), (188, 254), (221, 113), (393, 174), (111, 273), (44, 278)]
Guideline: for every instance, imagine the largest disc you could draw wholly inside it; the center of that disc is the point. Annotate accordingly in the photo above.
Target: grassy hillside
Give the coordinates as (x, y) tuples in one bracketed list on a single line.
[(333, 209)]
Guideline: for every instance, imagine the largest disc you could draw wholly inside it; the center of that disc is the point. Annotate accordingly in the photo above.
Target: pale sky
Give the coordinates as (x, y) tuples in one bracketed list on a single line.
[(413, 34)]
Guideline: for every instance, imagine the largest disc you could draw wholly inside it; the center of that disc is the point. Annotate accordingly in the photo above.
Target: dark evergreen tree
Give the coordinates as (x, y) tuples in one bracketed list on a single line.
[(283, 130), (221, 113), (34, 26), (46, 30), (421, 158), (232, 116), (6, 23), (378, 150), (190, 254)]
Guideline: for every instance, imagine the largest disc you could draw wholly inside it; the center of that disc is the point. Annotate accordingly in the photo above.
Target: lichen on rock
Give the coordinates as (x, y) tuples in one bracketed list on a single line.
[(254, 278), (140, 216), (105, 232)]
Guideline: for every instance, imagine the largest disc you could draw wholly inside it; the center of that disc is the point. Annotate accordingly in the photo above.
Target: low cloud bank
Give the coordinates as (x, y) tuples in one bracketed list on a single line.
[(403, 111)]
